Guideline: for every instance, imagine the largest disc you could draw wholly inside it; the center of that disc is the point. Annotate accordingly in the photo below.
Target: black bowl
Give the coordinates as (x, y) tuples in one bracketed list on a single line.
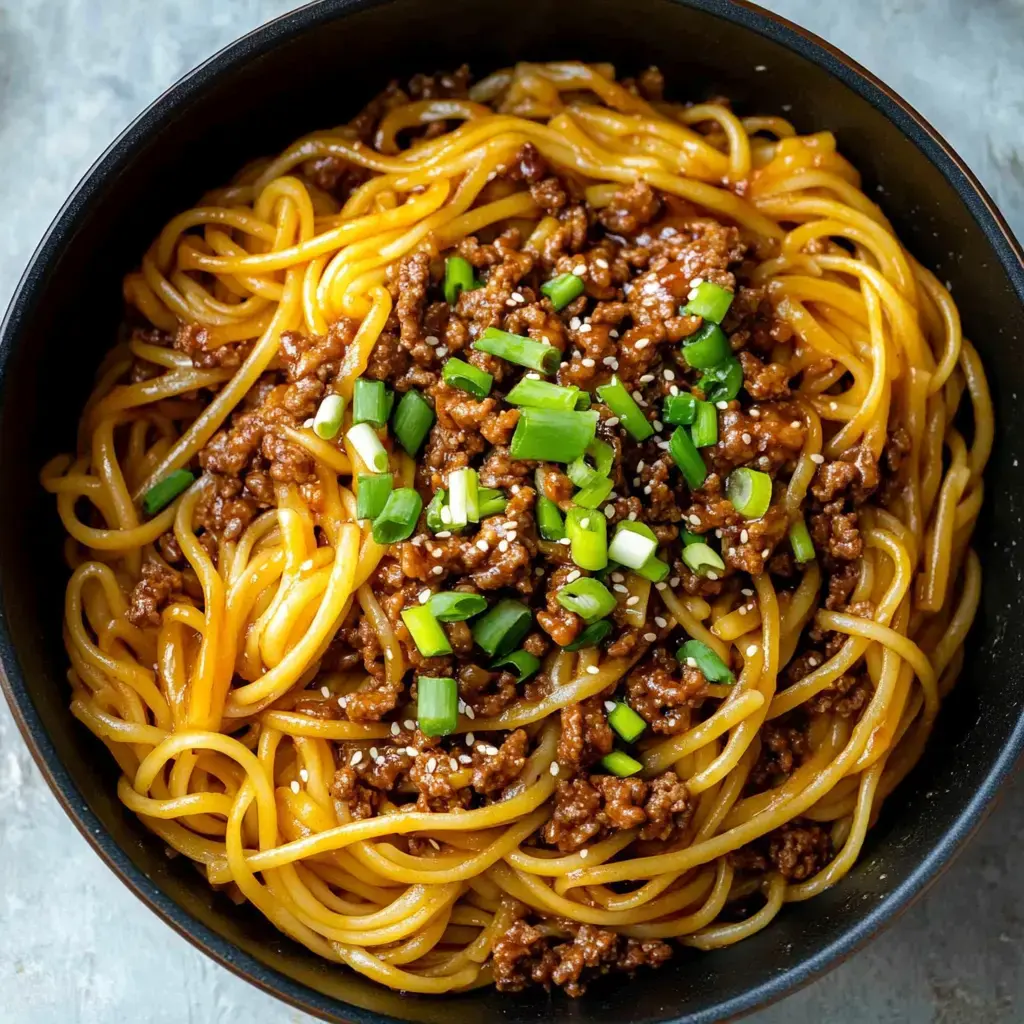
[(314, 68)]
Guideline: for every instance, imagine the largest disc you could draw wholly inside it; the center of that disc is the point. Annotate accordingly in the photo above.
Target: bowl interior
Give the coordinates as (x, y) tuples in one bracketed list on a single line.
[(278, 84)]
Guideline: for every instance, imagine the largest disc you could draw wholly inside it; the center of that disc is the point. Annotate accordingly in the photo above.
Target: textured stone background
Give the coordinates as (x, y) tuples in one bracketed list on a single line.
[(75, 946)]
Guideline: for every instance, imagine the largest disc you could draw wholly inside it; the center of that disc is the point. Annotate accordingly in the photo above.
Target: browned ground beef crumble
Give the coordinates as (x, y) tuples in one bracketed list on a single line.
[(638, 256)]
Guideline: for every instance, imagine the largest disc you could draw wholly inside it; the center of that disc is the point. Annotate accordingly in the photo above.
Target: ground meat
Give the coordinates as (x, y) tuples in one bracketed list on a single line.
[(841, 585), (487, 693), (586, 735), (590, 807), (431, 775), (798, 852), (764, 382), (494, 772), (562, 625), (500, 470), (660, 689), (846, 697), (853, 477), (836, 534), (361, 800), (527, 955), (194, 341), (372, 704), (151, 594), (749, 546), (631, 208), (783, 748), (767, 437)]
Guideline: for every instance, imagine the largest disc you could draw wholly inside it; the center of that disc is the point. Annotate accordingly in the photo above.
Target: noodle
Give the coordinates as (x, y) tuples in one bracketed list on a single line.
[(240, 649)]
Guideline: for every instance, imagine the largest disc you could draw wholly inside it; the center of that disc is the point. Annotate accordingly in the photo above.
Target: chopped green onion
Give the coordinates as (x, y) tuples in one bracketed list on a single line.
[(524, 663), (435, 521), (161, 494), (654, 569), (456, 605), (710, 300), (619, 763), (370, 402), (704, 431), (687, 458), (427, 633), (499, 630), (327, 421), (582, 474), (458, 278), (750, 492), (534, 355), (630, 547), (626, 722), (622, 403), (463, 497), (594, 634), (372, 490), (549, 519), (553, 435), (800, 539), (491, 501), (703, 657), (722, 383), (398, 520), (367, 444), (582, 400), (588, 537), (703, 559), (679, 410), (412, 421), (457, 373), (590, 599), (437, 705), (707, 347), (542, 394), (593, 494), (689, 537), (563, 289)]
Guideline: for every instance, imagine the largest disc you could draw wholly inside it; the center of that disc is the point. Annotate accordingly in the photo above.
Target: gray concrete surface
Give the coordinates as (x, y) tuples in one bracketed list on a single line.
[(75, 947)]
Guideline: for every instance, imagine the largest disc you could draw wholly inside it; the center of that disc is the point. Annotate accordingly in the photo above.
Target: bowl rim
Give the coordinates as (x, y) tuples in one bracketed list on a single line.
[(255, 43)]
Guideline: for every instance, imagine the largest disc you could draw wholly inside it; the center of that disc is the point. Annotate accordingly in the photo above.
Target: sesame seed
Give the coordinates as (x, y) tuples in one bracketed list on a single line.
[(295, 786), (660, 622), (691, 662), (695, 520), (437, 552), (674, 582), (588, 362), (744, 536), (712, 575), (342, 701), (660, 586), (609, 511), (453, 764), (696, 282), (491, 751), (658, 425), (760, 67), (731, 552), (613, 334), (565, 542), (533, 376), (817, 459), (511, 535), (620, 588), (580, 269), (518, 296), (751, 650), (747, 592), (647, 378), (640, 466), (632, 600), (603, 264), (304, 775), (642, 343), (718, 533), (673, 390), (756, 413), (812, 660), (764, 461), (482, 545), (435, 844), (766, 552), (833, 406), (669, 374), (585, 328), (308, 424), (608, 360), (503, 546), (746, 437), (431, 764), (306, 565), (583, 854), (574, 323), (409, 724), (721, 405), (395, 728), (424, 596), (380, 759), (437, 570), (324, 691), (609, 705), (554, 769), (442, 350), (692, 294), (573, 576), (431, 340), (796, 424), (617, 577), (650, 637), (411, 751), (356, 758), (443, 535), (612, 421), (465, 759)]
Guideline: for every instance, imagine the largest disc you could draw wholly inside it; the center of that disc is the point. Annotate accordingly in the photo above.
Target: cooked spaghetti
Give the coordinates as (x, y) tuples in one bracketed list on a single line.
[(525, 528)]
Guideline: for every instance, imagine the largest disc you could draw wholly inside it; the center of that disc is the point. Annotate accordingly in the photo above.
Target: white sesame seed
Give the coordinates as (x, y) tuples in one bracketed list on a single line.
[(583, 854), (431, 764), (673, 390), (650, 637), (660, 586), (796, 424), (585, 328), (658, 425), (518, 296), (766, 552), (746, 438), (691, 662), (565, 542), (295, 786), (503, 546), (620, 588), (608, 360), (411, 751), (374, 753), (410, 724), (751, 650), (660, 622), (304, 775), (812, 660), (609, 705), (437, 552), (760, 67), (580, 269), (756, 413), (395, 728), (442, 350), (674, 582), (482, 545), (694, 520), (712, 575), (588, 362), (435, 844), (640, 466), (692, 294), (718, 533), (817, 459), (465, 759), (609, 511), (356, 758), (437, 570), (696, 282), (747, 592), (380, 759), (632, 600), (573, 576), (647, 378), (424, 596), (453, 764), (721, 405), (554, 769), (324, 691), (431, 340), (574, 323), (642, 343), (669, 375), (744, 536), (491, 751), (511, 535)]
